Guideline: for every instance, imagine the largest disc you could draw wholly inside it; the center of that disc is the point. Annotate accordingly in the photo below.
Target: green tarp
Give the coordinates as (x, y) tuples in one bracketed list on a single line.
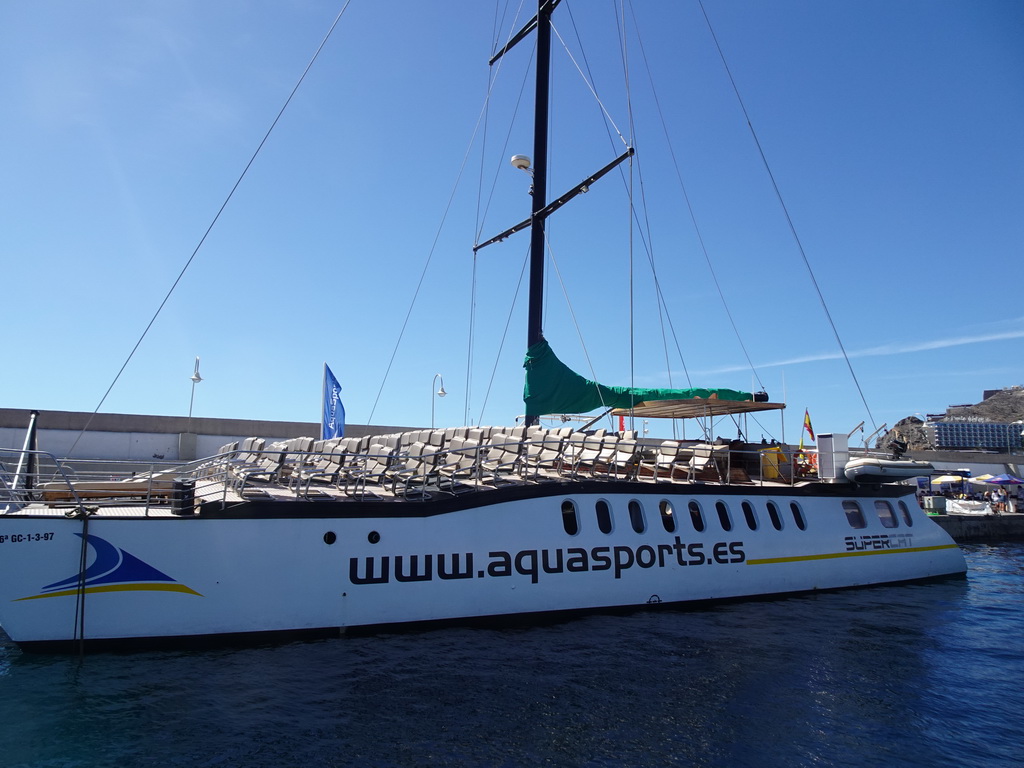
[(553, 387)]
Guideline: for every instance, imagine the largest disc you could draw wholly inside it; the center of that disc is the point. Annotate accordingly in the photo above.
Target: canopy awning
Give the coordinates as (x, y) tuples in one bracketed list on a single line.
[(553, 387), (694, 408)]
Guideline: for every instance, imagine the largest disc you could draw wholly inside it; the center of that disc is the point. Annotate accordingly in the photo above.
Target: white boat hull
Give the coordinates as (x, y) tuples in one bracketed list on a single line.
[(275, 572)]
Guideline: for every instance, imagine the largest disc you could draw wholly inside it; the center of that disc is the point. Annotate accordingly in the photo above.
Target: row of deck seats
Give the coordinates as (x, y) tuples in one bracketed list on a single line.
[(416, 463)]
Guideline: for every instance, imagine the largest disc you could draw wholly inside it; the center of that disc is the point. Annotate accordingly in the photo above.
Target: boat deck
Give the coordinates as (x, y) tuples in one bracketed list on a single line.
[(403, 467)]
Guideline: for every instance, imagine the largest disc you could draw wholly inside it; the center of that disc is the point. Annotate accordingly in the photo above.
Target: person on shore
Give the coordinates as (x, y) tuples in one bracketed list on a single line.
[(998, 500)]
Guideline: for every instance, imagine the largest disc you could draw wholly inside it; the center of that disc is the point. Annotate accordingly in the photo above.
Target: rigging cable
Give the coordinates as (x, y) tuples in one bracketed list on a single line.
[(572, 314), (629, 211), (504, 333), (789, 220), (481, 216), (202, 240), (629, 186), (419, 285), (470, 338), (627, 183), (662, 305), (663, 312), (588, 81), (430, 254), (492, 75), (689, 206)]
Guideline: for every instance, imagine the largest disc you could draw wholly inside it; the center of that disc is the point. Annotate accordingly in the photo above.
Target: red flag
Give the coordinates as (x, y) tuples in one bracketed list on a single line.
[(807, 424)]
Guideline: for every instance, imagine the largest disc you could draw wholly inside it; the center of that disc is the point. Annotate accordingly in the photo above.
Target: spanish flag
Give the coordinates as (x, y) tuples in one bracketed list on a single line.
[(807, 424)]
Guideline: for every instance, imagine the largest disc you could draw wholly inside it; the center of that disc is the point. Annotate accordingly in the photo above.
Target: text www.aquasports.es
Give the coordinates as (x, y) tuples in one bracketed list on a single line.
[(534, 562)]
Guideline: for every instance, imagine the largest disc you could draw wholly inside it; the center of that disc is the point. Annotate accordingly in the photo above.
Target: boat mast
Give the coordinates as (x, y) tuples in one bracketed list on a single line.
[(541, 209), (534, 330)]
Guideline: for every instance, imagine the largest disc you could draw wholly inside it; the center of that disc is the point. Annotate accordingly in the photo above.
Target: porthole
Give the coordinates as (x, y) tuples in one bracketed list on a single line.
[(373, 537), (798, 516), (886, 514), (749, 515), (774, 516), (696, 516), (854, 514), (570, 519), (604, 516), (723, 515), (668, 515), (636, 516), (330, 537), (905, 512)]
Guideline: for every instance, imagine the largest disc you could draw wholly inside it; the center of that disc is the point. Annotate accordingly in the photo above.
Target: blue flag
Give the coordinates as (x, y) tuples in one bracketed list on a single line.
[(333, 423)]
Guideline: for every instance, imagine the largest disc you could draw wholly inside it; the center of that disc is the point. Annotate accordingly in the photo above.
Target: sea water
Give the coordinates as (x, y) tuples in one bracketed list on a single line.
[(922, 675)]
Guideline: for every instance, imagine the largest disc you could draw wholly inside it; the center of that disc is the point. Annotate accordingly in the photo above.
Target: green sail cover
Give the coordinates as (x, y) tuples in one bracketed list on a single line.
[(553, 387)]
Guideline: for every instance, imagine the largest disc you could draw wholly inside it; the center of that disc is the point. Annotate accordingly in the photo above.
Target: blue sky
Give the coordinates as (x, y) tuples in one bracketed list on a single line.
[(892, 130)]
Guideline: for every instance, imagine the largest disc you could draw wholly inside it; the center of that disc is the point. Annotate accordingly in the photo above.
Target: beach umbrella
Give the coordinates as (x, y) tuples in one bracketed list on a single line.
[(980, 479), (1004, 480), (946, 479)]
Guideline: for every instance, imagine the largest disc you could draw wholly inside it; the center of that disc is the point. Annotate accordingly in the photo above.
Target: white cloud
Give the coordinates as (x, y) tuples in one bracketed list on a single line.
[(882, 351)]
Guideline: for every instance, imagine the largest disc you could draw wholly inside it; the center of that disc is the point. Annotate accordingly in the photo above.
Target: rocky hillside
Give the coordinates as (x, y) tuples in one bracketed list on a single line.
[(1003, 407)]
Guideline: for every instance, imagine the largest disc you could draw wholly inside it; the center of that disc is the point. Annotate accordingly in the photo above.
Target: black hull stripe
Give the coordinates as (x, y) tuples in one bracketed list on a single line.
[(440, 504)]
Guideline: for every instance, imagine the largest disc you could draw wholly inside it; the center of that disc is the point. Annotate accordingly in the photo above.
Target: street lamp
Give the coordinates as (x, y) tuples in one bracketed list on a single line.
[(196, 378), (440, 393)]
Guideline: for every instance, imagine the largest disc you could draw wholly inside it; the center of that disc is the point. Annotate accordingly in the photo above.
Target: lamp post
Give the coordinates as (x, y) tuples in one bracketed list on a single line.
[(196, 378), (440, 393)]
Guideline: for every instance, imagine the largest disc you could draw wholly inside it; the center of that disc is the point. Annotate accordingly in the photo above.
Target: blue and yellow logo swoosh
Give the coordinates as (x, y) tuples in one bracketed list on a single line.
[(113, 570)]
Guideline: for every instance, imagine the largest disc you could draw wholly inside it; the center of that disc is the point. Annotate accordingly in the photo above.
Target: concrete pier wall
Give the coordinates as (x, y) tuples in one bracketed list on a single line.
[(133, 437), (981, 528)]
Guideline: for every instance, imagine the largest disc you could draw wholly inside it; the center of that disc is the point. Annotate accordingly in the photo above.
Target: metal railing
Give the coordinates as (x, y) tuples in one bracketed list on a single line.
[(404, 471), (80, 485)]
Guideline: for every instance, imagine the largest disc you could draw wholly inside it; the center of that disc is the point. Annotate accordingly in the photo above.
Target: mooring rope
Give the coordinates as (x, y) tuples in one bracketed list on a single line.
[(79, 629)]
